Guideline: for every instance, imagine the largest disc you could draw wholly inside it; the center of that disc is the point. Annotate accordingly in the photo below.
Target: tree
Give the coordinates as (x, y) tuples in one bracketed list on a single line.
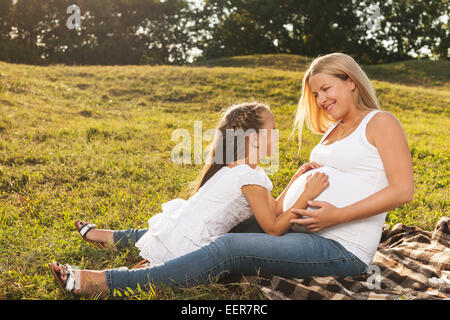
[(413, 28), (163, 32), (112, 32), (308, 27), (5, 9), (313, 27)]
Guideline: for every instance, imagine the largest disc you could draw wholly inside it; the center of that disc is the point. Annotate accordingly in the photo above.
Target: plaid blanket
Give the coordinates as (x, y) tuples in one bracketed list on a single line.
[(409, 264)]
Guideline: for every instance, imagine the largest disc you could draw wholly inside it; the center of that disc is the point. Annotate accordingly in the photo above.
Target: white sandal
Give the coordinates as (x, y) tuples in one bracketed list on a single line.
[(69, 283), (84, 230)]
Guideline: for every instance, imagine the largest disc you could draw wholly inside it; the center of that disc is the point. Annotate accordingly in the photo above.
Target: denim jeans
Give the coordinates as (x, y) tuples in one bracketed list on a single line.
[(245, 250)]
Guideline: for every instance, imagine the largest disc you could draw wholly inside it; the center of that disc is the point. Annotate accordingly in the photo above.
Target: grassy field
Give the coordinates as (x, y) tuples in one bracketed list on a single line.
[(95, 143)]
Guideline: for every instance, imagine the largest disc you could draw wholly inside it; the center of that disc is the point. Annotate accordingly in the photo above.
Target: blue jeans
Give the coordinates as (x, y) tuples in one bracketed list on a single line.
[(245, 250)]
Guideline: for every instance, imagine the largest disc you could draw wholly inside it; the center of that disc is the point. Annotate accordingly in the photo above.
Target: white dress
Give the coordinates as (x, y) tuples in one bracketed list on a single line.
[(187, 225)]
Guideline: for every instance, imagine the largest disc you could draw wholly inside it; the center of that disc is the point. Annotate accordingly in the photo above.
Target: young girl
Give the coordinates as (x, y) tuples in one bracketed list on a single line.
[(231, 188)]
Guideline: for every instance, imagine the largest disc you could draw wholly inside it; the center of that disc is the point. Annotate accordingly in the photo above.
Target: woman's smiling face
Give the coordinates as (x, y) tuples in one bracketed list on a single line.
[(332, 94)]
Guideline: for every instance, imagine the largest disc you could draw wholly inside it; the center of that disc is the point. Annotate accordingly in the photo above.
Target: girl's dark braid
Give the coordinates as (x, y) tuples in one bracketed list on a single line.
[(244, 116)]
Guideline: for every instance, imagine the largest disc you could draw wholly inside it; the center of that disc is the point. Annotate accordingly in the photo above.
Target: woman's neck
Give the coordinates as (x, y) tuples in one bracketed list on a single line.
[(352, 116)]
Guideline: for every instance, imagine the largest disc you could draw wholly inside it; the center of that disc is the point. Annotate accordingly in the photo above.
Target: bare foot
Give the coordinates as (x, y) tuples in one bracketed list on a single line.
[(99, 236), (87, 282)]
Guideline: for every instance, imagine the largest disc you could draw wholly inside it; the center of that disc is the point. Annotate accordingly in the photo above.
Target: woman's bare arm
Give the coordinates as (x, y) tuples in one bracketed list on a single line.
[(386, 134)]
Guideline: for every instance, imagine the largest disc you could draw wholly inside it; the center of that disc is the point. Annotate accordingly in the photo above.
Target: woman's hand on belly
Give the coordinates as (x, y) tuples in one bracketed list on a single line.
[(315, 220)]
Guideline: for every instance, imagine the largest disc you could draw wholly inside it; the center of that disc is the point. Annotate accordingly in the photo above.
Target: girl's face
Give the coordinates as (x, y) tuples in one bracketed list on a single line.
[(332, 94), (268, 135)]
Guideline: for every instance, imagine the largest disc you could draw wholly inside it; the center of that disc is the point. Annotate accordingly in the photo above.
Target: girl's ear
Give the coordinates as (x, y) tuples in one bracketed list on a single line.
[(253, 138)]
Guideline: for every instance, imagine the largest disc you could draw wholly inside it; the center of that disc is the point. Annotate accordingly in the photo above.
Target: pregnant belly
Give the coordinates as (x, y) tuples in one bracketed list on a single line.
[(344, 188)]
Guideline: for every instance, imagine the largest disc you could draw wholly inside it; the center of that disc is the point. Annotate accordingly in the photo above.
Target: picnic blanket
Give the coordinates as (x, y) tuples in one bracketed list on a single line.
[(409, 264)]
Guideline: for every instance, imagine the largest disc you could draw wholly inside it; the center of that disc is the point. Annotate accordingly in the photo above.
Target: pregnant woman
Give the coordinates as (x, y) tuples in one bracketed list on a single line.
[(366, 156)]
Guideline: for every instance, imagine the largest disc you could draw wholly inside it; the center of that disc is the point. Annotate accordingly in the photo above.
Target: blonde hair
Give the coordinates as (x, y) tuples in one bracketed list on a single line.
[(343, 67), (245, 116)]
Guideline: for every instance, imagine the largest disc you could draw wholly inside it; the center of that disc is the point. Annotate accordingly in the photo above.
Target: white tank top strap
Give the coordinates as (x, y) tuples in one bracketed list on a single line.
[(361, 126), (367, 119), (330, 128), (361, 134)]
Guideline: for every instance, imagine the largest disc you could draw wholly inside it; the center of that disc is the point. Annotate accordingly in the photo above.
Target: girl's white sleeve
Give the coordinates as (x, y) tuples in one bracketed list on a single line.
[(255, 178)]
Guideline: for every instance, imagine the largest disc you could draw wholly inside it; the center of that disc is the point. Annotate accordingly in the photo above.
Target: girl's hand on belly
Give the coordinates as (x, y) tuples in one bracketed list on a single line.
[(315, 220), (306, 167), (315, 185)]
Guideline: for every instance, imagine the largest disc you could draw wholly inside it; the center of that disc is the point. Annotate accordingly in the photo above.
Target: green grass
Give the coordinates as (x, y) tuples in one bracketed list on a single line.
[(95, 143)]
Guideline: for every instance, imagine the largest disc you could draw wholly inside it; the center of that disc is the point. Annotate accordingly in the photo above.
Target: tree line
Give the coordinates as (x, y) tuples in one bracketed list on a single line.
[(113, 32)]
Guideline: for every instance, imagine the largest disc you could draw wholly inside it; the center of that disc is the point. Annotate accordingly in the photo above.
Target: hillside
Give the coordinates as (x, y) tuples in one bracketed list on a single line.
[(93, 142), (289, 62), (422, 73)]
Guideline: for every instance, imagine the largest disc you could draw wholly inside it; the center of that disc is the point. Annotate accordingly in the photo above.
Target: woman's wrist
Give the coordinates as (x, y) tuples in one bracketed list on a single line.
[(335, 217)]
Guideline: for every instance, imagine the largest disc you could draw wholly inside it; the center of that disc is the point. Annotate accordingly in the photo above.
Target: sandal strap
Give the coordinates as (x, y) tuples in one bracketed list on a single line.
[(86, 228), (70, 281)]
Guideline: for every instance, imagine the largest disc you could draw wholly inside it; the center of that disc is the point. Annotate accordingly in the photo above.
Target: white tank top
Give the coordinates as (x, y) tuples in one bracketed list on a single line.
[(355, 172)]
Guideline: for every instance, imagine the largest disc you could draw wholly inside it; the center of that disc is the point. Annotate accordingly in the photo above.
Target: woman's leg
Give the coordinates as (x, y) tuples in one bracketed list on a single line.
[(86, 282), (296, 255), (92, 282)]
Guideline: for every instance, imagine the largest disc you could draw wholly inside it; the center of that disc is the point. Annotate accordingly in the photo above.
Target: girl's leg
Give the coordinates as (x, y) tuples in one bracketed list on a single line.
[(296, 255), (98, 235), (118, 238), (90, 282), (126, 238)]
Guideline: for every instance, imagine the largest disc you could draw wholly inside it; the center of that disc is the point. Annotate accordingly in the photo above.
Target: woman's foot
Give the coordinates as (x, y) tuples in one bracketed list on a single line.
[(86, 282), (100, 237)]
